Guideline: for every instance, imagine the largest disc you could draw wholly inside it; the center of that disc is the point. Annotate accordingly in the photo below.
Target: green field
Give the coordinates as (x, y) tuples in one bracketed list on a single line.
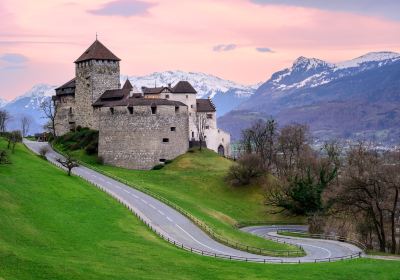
[(195, 182), (59, 227)]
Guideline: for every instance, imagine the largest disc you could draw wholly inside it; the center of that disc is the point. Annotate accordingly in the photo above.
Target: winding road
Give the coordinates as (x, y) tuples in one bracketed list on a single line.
[(178, 228)]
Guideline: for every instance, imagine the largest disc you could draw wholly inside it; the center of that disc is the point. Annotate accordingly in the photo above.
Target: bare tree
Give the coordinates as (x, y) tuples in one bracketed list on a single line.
[(49, 109), (4, 118), (13, 138), (201, 122), (69, 162), (25, 124)]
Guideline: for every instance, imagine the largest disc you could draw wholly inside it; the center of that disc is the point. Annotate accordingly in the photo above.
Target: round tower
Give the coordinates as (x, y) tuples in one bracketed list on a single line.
[(96, 71)]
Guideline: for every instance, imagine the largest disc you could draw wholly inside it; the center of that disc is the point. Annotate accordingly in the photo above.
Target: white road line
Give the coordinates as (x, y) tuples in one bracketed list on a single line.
[(324, 249), (161, 212), (134, 195), (152, 206), (199, 241), (169, 219), (144, 201)]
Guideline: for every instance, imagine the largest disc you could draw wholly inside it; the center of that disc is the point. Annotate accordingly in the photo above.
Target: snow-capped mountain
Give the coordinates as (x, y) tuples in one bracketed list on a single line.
[(226, 94), (28, 105), (359, 98), (3, 102)]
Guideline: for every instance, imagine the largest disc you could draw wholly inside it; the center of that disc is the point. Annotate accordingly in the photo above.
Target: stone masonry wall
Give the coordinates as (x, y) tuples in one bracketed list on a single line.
[(135, 141), (65, 118), (92, 79)]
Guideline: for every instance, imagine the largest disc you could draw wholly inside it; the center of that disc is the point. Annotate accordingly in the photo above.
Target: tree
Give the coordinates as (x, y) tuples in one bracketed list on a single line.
[(4, 118), (69, 163), (13, 138), (247, 167), (201, 122), (369, 188), (49, 109), (25, 124)]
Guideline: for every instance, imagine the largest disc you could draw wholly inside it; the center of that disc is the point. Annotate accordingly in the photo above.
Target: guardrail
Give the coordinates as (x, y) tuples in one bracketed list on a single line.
[(306, 234), (251, 249), (207, 253)]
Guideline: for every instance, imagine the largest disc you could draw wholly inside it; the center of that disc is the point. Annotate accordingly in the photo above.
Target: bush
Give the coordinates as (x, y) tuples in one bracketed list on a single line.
[(91, 149), (158, 166), (247, 168), (4, 157), (168, 161), (43, 151), (99, 160)]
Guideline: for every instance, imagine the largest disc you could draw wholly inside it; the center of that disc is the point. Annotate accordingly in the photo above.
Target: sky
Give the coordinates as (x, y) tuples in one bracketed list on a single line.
[(241, 40)]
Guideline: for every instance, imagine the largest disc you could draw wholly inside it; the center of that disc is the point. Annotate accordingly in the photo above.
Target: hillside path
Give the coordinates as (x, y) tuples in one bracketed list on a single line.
[(177, 227)]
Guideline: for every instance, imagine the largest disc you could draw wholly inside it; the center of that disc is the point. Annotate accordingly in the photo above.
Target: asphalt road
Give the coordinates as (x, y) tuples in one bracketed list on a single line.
[(177, 227)]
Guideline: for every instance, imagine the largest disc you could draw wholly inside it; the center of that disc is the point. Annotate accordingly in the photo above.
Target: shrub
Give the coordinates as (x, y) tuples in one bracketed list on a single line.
[(168, 161), (247, 168), (4, 157), (91, 149), (158, 166), (99, 160), (43, 151)]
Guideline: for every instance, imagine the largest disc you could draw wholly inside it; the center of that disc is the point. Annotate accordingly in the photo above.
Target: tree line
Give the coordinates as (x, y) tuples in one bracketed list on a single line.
[(351, 190)]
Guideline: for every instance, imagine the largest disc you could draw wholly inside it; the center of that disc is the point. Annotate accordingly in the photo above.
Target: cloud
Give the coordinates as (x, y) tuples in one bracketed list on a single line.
[(124, 8), (382, 8), (14, 58), (264, 50), (224, 47)]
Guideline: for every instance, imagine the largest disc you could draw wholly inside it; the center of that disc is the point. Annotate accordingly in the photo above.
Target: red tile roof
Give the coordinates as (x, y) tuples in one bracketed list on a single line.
[(205, 105)]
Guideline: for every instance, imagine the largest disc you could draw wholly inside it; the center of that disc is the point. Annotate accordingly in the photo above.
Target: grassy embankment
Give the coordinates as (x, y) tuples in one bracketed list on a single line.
[(59, 227), (195, 182)]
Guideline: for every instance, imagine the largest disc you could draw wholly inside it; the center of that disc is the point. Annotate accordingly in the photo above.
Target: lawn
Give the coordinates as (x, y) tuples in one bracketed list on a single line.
[(59, 227), (195, 182)]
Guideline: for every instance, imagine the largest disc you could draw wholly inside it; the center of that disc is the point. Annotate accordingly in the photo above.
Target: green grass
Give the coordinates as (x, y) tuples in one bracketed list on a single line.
[(195, 182), (59, 227)]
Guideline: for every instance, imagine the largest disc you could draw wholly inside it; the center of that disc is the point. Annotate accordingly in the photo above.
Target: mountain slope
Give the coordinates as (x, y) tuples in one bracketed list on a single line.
[(354, 99)]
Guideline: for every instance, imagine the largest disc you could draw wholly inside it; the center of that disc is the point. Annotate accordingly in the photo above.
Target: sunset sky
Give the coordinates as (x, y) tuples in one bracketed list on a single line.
[(241, 40)]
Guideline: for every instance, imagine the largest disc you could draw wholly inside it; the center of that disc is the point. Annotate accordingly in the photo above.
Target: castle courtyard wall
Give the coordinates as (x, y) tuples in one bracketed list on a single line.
[(134, 140)]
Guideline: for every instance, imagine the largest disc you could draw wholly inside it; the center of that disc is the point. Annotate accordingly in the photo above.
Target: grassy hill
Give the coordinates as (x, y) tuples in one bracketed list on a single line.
[(195, 182), (59, 227)]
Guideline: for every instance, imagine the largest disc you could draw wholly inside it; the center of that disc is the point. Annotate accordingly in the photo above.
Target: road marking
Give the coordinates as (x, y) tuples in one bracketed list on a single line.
[(152, 206), (134, 195), (169, 219), (199, 241), (161, 212), (324, 249), (144, 201)]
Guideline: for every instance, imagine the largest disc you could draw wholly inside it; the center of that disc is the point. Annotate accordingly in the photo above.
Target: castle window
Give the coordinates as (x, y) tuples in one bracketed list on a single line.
[(207, 127), (192, 134), (153, 109), (209, 116), (70, 110), (187, 96), (130, 109), (167, 96), (112, 110), (165, 140), (176, 109), (191, 106), (173, 128)]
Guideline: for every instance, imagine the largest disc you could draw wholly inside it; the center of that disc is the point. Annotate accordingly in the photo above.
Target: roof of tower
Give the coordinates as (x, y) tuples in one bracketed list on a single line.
[(183, 87), (205, 105), (97, 51), (127, 85), (66, 89)]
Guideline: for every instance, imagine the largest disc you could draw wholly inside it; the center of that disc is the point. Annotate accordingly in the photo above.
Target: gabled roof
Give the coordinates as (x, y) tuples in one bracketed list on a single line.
[(205, 105), (183, 87), (97, 51), (66, 89), (155, 90), (127, 85)]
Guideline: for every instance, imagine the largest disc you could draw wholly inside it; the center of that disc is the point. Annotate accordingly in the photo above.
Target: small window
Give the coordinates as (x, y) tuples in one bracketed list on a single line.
[(187, 96), (112, 110), (167, 96), (192, 134), (191, 106), (207, 127), (209, 116), (153, 110), (130, 109), (173, 128), (70, 110), (190, 114), (176, 109), (162, 159), (165, 140)]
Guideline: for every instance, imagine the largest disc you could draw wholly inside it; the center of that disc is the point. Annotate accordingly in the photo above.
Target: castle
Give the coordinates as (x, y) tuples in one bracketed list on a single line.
[(138, 129)]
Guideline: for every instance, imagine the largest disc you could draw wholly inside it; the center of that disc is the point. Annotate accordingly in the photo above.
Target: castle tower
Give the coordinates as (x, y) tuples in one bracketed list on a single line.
[(96, 71)]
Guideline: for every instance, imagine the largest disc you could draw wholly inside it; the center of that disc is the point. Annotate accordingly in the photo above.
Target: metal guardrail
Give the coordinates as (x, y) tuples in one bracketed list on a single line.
[(207, 253), (305, 234), (251, 249)]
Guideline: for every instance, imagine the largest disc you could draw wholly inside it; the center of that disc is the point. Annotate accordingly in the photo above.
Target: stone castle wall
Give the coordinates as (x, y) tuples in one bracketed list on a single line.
[(65, 114), (92, 79), (135, 140)]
